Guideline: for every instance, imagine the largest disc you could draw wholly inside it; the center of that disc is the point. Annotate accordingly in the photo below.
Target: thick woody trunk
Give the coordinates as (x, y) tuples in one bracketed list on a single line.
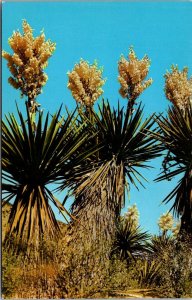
[(92, 233), (186, 218), (186, 223)]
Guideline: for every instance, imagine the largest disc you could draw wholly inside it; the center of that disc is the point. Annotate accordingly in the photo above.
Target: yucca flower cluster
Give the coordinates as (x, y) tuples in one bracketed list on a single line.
[(175, 230), (166, 222), (85, 82), (132, 216), (178, 88), (28, 61), (132, 74)]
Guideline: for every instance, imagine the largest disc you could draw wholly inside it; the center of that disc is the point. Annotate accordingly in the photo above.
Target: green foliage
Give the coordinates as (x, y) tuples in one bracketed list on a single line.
[(176, 267), (130, 242), (10, 279), (81, 264), (126, 280), (25, 277), (121, 276), (166, 273), (176, 136), (31, 161), (149, 273), (122, 145), (158, 244), (121, 138)]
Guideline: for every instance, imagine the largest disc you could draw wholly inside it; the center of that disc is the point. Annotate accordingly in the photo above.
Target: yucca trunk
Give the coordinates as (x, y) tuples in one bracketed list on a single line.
[(186, 219), (186, 222), (96, 213)]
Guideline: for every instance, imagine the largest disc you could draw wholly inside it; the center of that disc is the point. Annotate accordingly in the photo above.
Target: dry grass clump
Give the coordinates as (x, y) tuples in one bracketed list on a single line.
[(26, 277)]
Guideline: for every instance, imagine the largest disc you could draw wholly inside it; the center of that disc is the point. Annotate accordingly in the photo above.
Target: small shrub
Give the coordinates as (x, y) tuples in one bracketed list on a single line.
[(176, 271)]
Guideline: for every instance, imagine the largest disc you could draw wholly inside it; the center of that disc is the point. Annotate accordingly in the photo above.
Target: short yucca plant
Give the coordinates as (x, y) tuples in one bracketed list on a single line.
[(159, 243), (130, 242), (149, 273)]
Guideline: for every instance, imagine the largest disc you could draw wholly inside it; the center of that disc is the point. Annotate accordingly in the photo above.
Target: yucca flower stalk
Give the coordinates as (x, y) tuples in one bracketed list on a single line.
[(178, 87), (27, 63), (132, 77), (132, 216), (85, 83), (176, 229), (165, 222)]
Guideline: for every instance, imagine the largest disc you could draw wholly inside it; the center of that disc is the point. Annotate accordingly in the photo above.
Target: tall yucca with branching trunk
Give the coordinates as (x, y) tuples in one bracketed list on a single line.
[(124, 146), (176, 138), (34, 154), (30, 161)]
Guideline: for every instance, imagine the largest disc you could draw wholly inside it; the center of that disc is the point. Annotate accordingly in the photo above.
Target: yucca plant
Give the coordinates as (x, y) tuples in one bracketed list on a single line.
[(176, 138), (124, 146), (31, 160), (34, 153), (130, 242), (159, 243), (149, 273), (123, 140)]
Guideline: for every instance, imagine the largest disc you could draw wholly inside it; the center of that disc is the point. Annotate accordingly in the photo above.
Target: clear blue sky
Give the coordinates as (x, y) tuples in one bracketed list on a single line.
[(103, 31)]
